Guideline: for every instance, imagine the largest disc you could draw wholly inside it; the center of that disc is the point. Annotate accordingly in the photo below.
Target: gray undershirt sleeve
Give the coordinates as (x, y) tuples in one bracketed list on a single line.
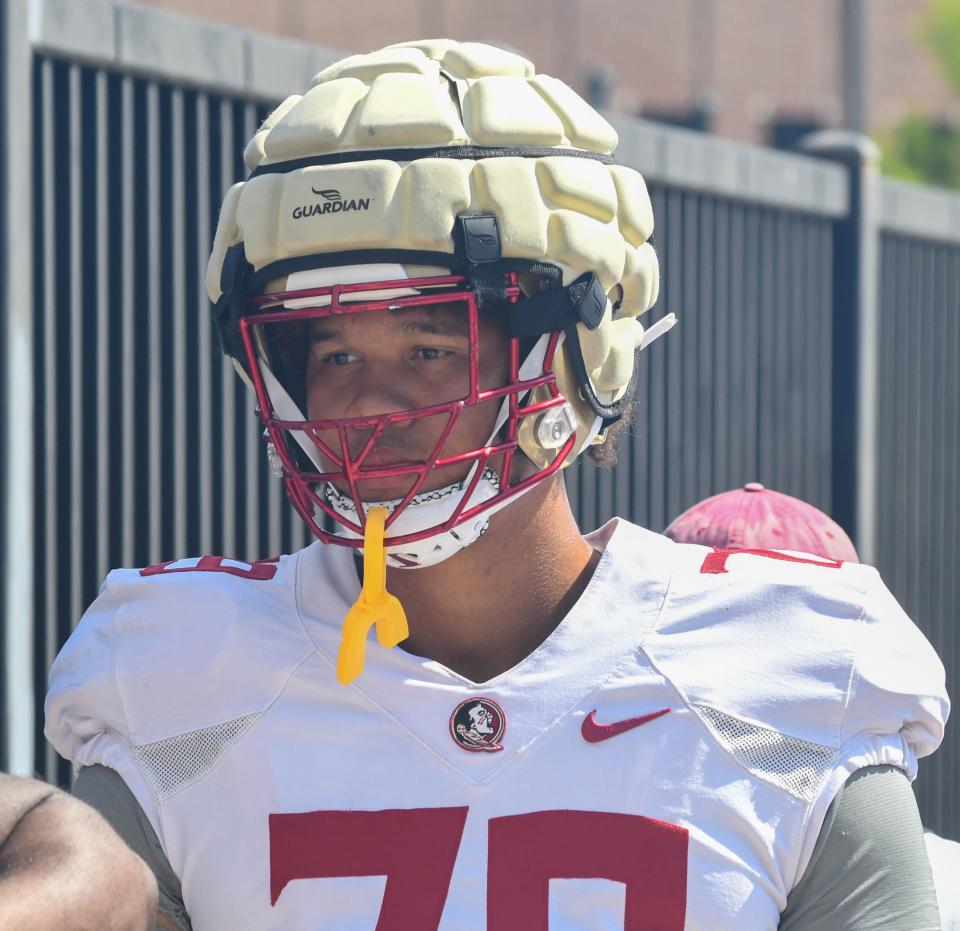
[(869, 868), (106, 791)]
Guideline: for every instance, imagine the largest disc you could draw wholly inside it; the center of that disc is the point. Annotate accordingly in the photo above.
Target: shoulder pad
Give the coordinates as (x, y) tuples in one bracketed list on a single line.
[(804, 646), (177, 647)]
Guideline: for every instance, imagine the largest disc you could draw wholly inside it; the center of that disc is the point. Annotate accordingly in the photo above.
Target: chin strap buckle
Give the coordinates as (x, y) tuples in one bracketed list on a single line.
[(374, 605)]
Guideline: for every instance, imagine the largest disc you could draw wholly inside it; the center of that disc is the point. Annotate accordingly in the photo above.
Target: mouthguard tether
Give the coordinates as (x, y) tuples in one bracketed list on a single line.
[(374, 605)]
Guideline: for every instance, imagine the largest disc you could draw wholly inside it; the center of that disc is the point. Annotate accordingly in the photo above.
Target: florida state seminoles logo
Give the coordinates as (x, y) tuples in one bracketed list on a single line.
[(477, 724)]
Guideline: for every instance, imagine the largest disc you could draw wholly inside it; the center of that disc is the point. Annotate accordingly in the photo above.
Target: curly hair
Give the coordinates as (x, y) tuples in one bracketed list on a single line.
[(605, 454)]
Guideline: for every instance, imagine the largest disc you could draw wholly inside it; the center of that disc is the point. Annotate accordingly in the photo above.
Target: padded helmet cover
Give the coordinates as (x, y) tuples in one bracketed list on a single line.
[(386, 150)]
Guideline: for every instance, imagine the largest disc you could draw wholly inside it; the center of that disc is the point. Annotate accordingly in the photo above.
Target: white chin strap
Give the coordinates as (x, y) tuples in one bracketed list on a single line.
[(428, 510)]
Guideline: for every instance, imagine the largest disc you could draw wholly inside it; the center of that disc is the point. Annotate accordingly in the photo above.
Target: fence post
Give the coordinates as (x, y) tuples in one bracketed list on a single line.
[(855, 337), (16, 393)]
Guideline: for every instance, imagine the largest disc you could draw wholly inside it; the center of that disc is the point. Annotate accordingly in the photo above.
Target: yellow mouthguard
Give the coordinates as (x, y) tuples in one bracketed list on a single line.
[(374, 605)]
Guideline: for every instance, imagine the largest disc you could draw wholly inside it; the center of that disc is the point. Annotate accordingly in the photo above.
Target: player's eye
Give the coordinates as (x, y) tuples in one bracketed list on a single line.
[(429, 353), (340, 358)]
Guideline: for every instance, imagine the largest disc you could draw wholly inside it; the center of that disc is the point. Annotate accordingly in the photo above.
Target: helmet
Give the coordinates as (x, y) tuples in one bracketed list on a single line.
[(431, 173), (757, 518)]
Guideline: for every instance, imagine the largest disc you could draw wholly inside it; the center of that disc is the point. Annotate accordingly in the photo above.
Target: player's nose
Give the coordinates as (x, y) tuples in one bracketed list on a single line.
[(383, 390)]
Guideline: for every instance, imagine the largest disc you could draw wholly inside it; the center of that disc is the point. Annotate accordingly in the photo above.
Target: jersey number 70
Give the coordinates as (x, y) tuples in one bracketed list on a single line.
[(416, 848)]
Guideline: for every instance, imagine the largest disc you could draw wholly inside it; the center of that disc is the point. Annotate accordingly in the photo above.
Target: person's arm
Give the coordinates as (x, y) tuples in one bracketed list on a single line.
[(105, 790), (869, 868), (61, 866)]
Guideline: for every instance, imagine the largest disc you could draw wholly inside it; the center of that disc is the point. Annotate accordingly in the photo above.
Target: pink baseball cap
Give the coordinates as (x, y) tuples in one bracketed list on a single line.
[(753, 517)]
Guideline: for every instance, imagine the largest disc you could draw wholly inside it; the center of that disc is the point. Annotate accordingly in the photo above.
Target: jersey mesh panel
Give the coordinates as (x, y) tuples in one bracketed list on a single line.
[(177, 761), (795, 765)]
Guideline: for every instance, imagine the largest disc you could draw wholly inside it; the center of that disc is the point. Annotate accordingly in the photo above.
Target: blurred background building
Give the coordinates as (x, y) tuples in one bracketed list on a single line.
[(749, 70)]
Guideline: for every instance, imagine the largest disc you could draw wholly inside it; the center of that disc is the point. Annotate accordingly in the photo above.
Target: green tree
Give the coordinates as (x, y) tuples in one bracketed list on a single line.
[(920, 149), (923, 151), (940, 30)]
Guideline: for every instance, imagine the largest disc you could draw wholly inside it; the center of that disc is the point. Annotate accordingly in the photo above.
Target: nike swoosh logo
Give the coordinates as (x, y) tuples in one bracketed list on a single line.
[(593, 732)]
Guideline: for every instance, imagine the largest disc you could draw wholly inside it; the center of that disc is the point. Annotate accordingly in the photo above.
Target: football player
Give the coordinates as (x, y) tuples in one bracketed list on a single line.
[(431, 279), (61, 866), (758, 518)]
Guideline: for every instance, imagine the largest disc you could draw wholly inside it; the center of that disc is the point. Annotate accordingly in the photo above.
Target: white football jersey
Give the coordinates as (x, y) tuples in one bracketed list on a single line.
[(664, 760)]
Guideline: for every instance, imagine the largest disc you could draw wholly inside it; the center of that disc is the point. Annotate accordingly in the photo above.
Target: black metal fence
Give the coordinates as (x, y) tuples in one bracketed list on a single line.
[(146, 444), (741, 390), (918, 433), (145, 448)]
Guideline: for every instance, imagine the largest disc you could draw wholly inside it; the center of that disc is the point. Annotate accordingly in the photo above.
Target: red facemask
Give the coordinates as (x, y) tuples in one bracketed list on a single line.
[(315, 456)]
